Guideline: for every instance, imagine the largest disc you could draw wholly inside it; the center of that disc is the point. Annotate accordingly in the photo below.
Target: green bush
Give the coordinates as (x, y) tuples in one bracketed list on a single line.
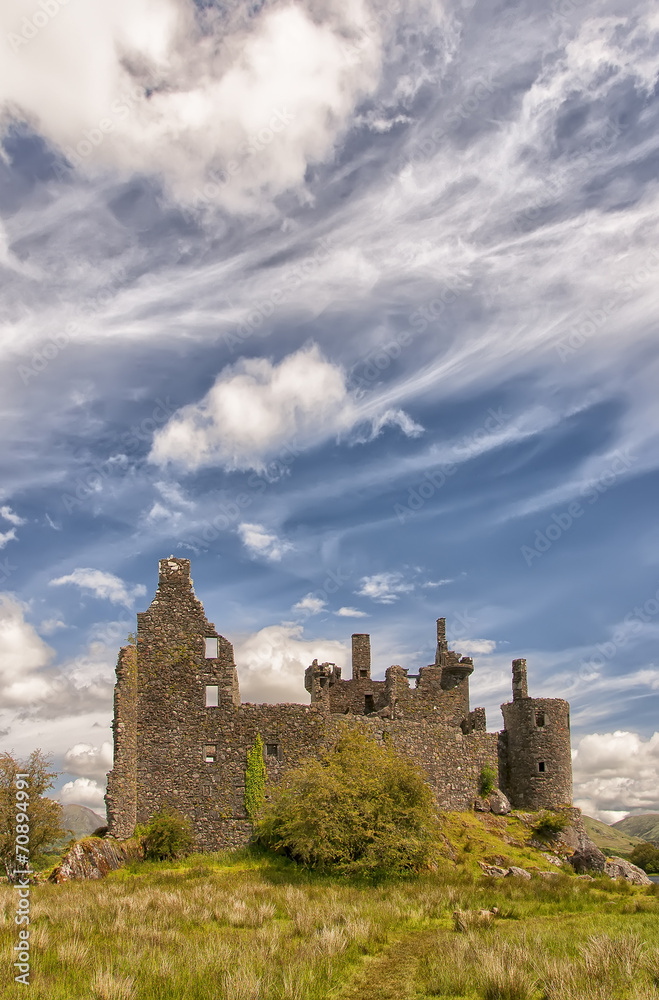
[(488, 780), (360, 809), (646, 856), (255, 779), (549, 824), (167, 835)]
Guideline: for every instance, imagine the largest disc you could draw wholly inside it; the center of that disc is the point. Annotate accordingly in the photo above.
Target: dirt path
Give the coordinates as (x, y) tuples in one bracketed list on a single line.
[(390, 975)]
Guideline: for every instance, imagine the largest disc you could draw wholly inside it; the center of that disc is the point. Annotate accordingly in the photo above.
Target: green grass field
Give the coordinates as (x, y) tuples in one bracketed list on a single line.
[(244, 925)]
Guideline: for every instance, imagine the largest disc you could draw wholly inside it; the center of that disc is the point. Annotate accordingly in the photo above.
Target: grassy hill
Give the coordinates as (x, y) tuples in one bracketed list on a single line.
[(645, 826), (610, 840), (250, 925)]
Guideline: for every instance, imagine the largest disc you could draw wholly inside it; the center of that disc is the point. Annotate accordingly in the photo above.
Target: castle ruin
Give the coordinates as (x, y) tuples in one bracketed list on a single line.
[(181, 734)]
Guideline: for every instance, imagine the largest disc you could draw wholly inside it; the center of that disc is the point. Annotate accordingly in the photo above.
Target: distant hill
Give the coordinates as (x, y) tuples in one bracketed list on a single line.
[(645, 826), (81, 820), (608, 839)]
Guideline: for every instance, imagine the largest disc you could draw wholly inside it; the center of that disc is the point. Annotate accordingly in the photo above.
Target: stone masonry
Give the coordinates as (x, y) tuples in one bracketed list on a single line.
[(181, 734)]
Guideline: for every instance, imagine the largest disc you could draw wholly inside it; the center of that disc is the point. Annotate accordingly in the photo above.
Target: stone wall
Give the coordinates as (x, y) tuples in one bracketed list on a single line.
[(182, 735), (121, 797)]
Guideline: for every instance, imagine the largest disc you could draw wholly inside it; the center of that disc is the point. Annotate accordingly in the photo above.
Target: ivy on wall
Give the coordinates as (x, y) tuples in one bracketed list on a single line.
[(255, 779)]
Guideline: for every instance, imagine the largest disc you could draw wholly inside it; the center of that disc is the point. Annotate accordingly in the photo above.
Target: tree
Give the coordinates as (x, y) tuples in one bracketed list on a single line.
[(26, 812), (167, 835), (646, 856), (361, 808)]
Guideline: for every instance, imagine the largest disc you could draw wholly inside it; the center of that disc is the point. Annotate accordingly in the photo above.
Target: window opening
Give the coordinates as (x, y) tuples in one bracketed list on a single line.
[(211, 648), (212, 696)]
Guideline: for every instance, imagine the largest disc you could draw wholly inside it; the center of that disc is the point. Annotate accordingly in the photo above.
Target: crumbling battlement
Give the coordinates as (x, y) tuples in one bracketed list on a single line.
[(181, 734)]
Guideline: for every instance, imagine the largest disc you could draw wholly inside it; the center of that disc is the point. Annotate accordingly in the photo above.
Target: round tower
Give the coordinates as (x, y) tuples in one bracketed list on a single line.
[(538, 758)]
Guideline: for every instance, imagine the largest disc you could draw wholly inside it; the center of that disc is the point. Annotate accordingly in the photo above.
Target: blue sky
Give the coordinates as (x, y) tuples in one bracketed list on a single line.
[(355, 306)]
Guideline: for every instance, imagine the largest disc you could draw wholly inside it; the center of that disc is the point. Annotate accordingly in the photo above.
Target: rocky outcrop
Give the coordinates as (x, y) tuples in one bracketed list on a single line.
[(619, 868), (588, 859), (516, 872), (499, 803), (495, 802), (93, 859)]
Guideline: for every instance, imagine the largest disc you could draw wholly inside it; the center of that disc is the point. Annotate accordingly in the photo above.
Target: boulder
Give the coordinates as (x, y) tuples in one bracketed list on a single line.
[(482, 805), (619, 868), (552, 859), (93, 859), (492, 870), (499, 803), (588, 859), (516, 872)]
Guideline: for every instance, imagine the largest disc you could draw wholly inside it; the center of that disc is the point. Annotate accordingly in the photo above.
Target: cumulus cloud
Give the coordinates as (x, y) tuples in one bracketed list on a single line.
[(310, 604), (256, 409), (11, 516), (272, 661), (88, 761), (7, 536), (103, 585), (260, 542), (615, 774), (384, 588), (350, 613), (469, 646), (23, 656), (50, 625), (249, 100), (83, 792)]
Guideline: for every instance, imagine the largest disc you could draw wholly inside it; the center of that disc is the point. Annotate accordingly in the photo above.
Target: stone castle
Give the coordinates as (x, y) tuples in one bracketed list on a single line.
[(181, 734)]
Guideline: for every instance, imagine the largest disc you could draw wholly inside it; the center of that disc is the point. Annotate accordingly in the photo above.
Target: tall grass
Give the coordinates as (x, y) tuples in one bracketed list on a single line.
[(245, 925)]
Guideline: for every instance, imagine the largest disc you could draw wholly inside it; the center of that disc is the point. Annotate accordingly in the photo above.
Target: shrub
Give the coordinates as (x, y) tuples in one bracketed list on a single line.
[(646, 856), (167, 835), (360, 808), (488, 780), (549, 824), (255, 779)]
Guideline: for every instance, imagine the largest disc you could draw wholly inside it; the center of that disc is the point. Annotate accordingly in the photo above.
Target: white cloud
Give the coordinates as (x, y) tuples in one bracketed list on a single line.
[(436, 583), (616, 773), (255, 98), (272, 661), (87, 761), (470, 646), (261, 542), (103, 585), (83, 792), (7, 536), (50, 625), (256, 409), (384, 588), (311, 604), (10, 516), (350, 613), (23, 656)]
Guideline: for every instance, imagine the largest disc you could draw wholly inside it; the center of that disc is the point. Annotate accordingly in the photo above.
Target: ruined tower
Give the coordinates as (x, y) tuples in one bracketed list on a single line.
[(182, 736), (535, 758)]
